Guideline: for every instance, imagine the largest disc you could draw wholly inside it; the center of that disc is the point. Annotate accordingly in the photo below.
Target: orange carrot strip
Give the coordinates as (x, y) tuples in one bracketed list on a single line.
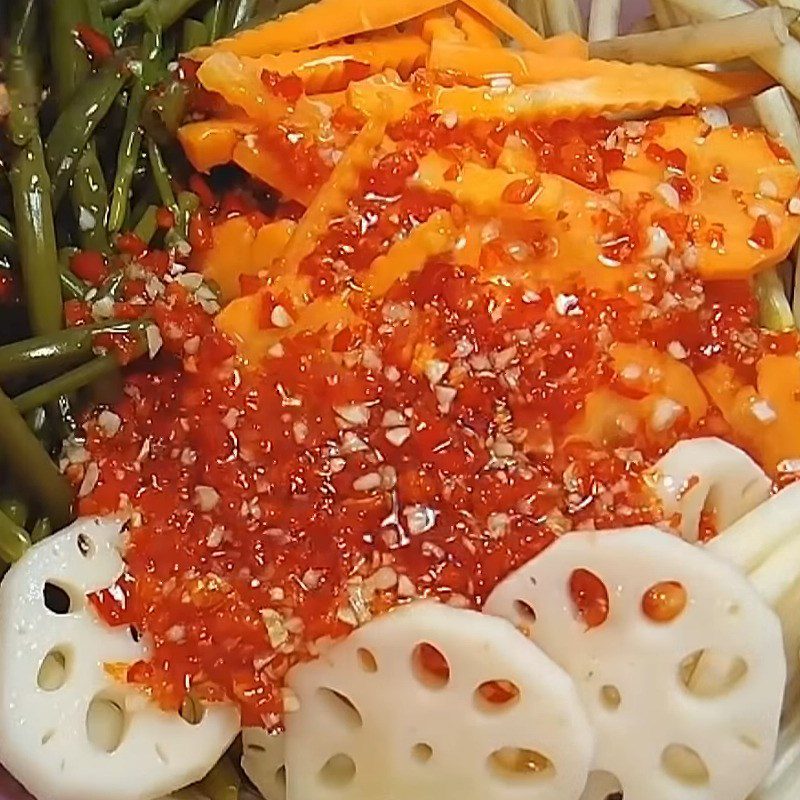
[(211, 143), (383, 94), (435, 236), (652, 86), (325, 69), (318, 23), (505, 20), (478, 33), (332, 197), (440, 25), (643, 88), (493, 192), (241, 85), (565, 45), (262, 163)]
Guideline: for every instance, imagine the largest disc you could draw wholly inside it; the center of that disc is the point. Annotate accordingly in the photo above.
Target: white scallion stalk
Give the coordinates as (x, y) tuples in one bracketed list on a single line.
[(783, 62), (604, 19), (716, 41), (533, 12), (564, 16), (775, 313)]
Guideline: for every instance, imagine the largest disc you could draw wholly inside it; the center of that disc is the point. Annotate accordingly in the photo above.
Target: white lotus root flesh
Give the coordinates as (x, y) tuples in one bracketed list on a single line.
[(68, 729), (630, 615), (264, 761), (707, 475), (431, 701)]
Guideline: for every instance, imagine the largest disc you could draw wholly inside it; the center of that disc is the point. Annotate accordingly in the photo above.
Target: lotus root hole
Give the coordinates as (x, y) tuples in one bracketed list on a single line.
[(338, 771), (341, 708), (280, 776), (610, 697), (707, 673), (684, 765), (589, 596), (105, 723), (664, 601), (497, 695), (519, 763), (430, 667), (53, 670), (525, 612), (367, 660), (57, 599), (422, 752)]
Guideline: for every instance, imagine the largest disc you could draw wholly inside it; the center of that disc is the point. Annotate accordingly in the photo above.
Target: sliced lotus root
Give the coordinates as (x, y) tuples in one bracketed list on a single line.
[(784, 777), (629, 614), (68, 729), (707, 475), (264, 761), (430, 701)]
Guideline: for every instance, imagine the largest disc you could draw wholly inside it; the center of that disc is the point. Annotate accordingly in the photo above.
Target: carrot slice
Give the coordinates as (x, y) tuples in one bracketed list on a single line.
[(210, 143), (329, 69), (565, 45), (332, 197), (318, 23), (505, 20), (437, 24), (435, 236), (477, 32)]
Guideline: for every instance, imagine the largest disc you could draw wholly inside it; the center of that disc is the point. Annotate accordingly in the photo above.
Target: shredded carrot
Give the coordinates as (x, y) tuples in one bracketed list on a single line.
[(331, 68), (477, 32), (318, 23), (210, 143), (332, 197), (435, 236)]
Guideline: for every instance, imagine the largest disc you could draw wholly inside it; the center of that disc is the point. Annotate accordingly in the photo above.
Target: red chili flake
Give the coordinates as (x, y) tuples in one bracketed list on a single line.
[(89, 266), (778, 150), (453, 172), (265, 309), (187, 68), (353, 70), (715, 236), (346, 118), (131, 244), (165, 218), (520, 191), (674, 160), (250, 284), (98, 45), (8, 287), (719, 174), (762, 235), (201, 228), (200, 187), (288, 87), (590, 596), (684, 187)]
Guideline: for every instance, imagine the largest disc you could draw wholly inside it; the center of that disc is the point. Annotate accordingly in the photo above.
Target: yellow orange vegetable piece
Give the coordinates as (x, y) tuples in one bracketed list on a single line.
[(324, 69), (210, 143), (383, 93), (433, 237), (649, 371), (240, 249), (476, 30), (763, 417), (332, 197), (755, 182)]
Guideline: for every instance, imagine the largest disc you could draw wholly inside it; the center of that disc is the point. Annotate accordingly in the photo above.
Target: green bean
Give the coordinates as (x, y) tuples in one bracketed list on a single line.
[(195, 34), (215, 19), (223, 782), (59, 351), (113, 7), (147, 226), (41, 530), (165, 110), (89, 199), (131, 141), (161, 176), (33, 471), (7, 245), (22, 72), (14, 540), (65, 384), (15, 509), (112, 285), (77, 122), (36, 238), (88, 193), (72, 287), (96, 18), (241, 13)]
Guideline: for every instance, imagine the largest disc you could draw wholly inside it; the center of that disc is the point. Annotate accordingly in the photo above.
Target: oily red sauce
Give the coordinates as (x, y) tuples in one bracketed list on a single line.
[(426, 451)]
